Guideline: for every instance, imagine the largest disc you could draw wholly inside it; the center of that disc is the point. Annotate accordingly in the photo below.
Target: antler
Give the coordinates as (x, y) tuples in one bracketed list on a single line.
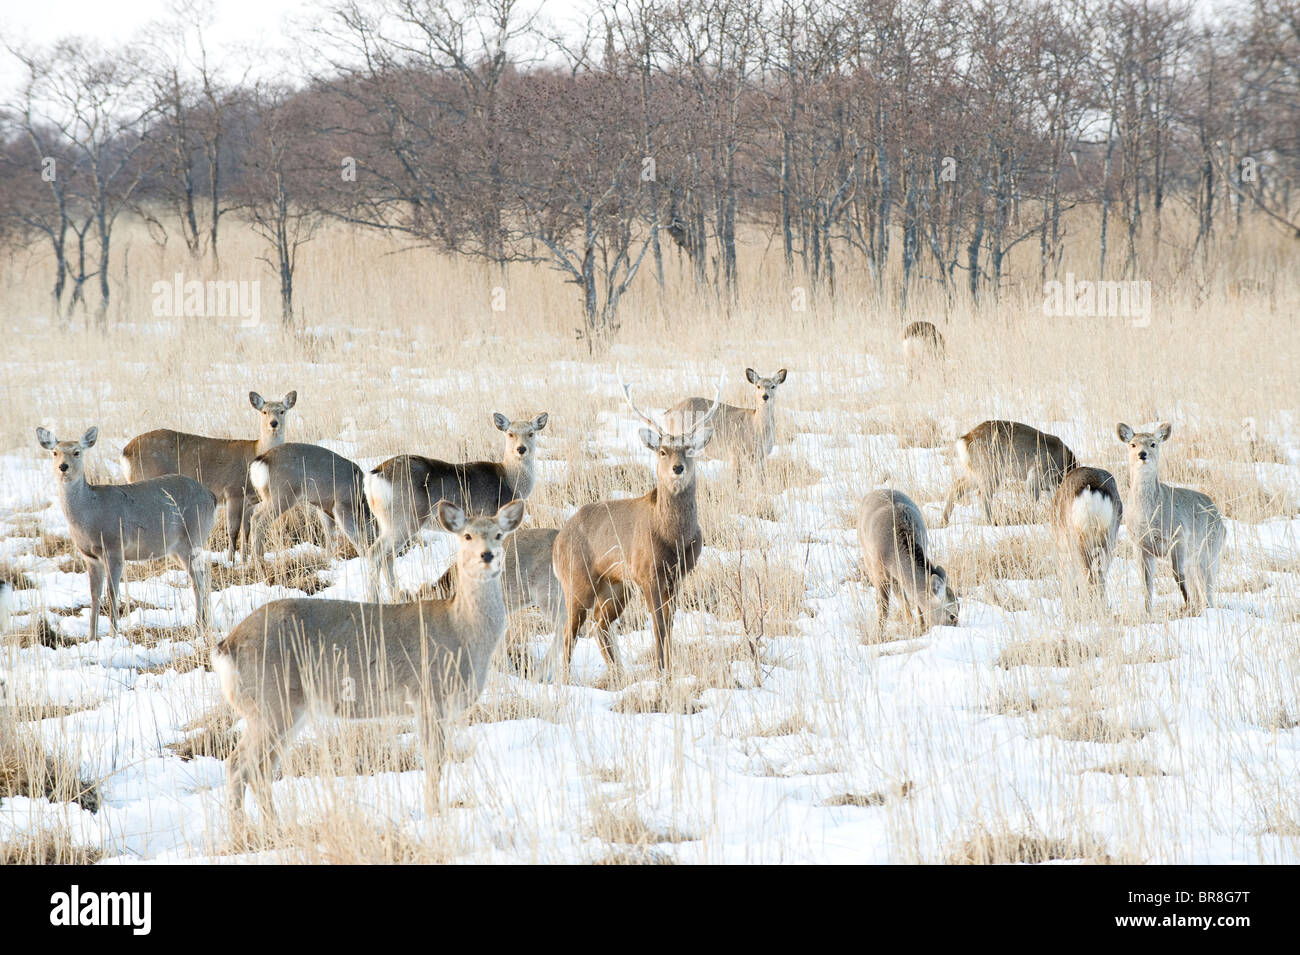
[(627, 393), (717, 402)]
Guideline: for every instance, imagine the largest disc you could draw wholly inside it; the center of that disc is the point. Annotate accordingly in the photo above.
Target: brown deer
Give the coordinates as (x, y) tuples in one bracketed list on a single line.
[(650, 542), (1086, 514), (995, 452), (742, 435), (219, 464)]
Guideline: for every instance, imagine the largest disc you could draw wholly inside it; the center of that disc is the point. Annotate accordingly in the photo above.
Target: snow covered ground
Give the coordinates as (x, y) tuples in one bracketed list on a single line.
[(1170, 740)]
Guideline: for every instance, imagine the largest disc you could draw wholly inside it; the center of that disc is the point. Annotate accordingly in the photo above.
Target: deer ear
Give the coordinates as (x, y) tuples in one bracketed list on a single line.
[(501, 421), (1163, 430), (511, 516), (751, 376), (451, 517), (779, 377), (255, 400), (700, 439), (290, 400), (47, 440), (651, 439), (90, 437), (540, 421), (1124, 432), (938, 582)]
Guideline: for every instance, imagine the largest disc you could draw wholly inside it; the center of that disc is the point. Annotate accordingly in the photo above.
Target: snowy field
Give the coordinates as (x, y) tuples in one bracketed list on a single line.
[(793, 731)]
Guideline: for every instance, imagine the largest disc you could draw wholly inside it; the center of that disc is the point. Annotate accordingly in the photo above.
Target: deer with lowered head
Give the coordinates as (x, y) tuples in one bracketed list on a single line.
[(649, 542), (742, 435), (219, 464), (168, 516), (404, 491), (367, 660), (1174, 522), (995, 452), (297, 473), (895, 555), (1086, 514)]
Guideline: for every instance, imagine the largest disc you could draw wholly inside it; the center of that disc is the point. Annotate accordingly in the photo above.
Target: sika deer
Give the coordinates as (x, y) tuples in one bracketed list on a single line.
[(651, 541), (1086, 514), (219, 464), (994, 452), (404, 491), (891, 533), (743, 435), (922, 347), (295, 474), (366, 660), (1171, 521), (527, 578), (112, 523)]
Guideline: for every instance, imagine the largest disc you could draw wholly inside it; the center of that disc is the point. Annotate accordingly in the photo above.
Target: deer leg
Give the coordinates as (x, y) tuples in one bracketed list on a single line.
[(264, 515), (95, 570), (327, 530), (961, 487), (433, 747), (197, 569), (661, 617), (1148, 579), (236, 526), (578, 610), (882, 605), (114, 564), (1178, 561), (608, 610)]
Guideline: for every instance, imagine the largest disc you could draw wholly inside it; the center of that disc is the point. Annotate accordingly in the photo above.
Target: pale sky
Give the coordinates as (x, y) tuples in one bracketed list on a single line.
[(237, 24)]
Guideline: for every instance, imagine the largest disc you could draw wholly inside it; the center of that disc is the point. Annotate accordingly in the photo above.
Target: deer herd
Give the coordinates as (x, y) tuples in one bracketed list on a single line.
[(431, 657)]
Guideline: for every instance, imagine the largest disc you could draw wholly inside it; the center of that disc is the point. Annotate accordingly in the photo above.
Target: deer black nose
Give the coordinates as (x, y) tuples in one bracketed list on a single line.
[(487, 556), (1142, 455), (766, 397), (522, 449), (63, 467), (275, 424), (678, 468)]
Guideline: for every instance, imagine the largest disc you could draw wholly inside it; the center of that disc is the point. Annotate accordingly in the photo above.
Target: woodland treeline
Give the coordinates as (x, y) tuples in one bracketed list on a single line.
[(918, 140)]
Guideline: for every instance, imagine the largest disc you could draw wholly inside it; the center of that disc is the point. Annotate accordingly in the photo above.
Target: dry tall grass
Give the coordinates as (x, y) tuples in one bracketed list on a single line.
[(400, 350)]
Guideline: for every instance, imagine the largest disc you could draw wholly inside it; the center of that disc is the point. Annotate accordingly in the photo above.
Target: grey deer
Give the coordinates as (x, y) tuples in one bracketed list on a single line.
[(168, 516), (650, 542), (1174, 522), (1086, 514), (403, 492), (219, 464), (366, 661), (895, 555), (995, 452), (742, 435), (297, 473), (527, 580)]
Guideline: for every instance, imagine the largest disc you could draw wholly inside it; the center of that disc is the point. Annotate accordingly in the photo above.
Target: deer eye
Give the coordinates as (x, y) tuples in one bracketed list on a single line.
[(663, 453), (468, 536), (498, 537)]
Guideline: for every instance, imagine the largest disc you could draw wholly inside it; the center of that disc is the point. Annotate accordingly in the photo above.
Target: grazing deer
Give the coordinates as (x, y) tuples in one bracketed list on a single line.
[(742, 435), (651, 541), (922, 347), (1170, 521), (404, 491), (1086, 514), (527, 576), (891, 533), (994, 452), (168, 516), (219, 464), (366, 660), (293, 474)]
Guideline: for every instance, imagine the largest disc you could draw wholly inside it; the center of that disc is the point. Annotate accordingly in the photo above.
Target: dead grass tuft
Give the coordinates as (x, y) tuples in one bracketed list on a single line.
[(210, 734), (1056, 652), (1128, 767), (871, 799), (1006, 847), (47, 848), (27, 770), (677, 698), (623, 825)]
